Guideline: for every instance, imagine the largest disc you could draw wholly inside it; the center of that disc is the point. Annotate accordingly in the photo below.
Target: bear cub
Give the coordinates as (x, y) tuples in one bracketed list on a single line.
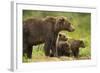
[(75, 45), (68, 47), (62, 46)]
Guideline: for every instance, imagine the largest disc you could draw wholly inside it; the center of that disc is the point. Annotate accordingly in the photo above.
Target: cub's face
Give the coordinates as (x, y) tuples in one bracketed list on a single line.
[(62, 37)]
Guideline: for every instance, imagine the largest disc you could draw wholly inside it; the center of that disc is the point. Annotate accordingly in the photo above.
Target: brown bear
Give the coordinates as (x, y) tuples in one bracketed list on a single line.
[(75, 45), (68, 47), (62, 46), (43, 30)]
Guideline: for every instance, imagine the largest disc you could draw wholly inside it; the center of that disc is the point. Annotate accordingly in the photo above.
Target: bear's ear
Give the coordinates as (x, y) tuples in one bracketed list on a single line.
[(82, 44), (81, 41), (61, 20), (51, 19)]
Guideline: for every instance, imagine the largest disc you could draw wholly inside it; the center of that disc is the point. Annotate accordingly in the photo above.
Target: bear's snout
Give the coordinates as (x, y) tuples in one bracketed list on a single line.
[(71, 29)]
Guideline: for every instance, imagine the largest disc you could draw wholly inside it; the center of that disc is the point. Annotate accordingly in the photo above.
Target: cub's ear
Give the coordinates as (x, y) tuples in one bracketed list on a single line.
[(82, 43)]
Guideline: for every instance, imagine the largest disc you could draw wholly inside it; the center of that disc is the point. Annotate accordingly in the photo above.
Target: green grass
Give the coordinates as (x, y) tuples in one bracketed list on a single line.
[(38, 50)]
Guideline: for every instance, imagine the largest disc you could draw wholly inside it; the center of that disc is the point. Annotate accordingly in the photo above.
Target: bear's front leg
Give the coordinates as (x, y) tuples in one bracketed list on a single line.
[(54, 46), (24, 49), (76, 52), (47, 47), (29, 52), (54, 50)]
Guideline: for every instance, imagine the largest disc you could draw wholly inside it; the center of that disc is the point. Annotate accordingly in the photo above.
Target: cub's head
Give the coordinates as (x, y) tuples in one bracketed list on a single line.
[(62, 37)]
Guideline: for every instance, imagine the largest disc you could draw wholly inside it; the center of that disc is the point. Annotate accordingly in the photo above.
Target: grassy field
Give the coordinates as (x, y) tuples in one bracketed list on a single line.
[(82, 24)]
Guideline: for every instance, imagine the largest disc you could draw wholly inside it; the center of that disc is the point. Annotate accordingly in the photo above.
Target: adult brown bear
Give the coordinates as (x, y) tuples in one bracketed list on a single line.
[(43, 30)]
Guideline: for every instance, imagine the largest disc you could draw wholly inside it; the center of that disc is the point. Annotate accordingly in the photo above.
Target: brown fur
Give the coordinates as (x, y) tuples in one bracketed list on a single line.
[(43, 30), (75, 45), (68, 47), (62, 47)]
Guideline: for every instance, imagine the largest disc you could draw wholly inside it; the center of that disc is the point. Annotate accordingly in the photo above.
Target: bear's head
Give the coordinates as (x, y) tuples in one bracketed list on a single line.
[(62, 23), (62, 37)]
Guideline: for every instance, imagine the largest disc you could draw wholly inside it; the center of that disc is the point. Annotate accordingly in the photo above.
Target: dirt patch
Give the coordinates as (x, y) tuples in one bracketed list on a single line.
[(48, 59)]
